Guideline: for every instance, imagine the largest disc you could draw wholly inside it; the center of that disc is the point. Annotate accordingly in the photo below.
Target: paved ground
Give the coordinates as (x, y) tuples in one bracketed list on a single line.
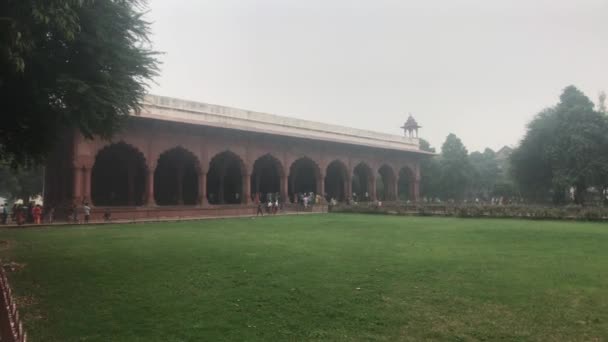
[(161, 219)]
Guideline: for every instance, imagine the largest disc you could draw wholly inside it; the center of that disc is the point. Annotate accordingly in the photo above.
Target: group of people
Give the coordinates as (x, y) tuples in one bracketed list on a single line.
[(484, 200), (356, 198), (26, 213), (307, 199), (270, 203), (32, 213), (86, 210)]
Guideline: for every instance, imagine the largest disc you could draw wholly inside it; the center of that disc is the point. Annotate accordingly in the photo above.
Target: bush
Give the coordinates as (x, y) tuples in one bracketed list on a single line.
[(475, 210)]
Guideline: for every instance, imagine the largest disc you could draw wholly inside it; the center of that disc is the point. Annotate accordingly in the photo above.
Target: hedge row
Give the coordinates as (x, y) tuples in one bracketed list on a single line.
[(471, 210)]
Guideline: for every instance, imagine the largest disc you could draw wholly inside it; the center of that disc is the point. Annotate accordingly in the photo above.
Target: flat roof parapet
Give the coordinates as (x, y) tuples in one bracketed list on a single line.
[(177, 110)]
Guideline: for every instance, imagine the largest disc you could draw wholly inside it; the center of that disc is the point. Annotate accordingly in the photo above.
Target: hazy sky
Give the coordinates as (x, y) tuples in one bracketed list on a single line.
[(478, 68)]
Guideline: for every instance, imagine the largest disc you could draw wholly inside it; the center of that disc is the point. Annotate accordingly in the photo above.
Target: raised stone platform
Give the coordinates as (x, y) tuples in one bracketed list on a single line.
[(177, 212), (100, 221)]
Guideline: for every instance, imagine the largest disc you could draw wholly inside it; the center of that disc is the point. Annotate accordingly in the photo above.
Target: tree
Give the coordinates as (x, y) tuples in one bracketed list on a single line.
[(20, 183), (601, 104), (430, 172), (529, 165), (484, 173), (69, 64), (455, 168), (565, 147)]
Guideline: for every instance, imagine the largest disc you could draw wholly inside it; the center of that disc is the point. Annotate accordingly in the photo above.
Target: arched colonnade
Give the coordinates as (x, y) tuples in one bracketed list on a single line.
[(120, 175)]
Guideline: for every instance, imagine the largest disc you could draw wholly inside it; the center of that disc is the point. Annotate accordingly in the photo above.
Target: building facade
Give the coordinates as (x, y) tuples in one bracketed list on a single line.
[(182, 158)]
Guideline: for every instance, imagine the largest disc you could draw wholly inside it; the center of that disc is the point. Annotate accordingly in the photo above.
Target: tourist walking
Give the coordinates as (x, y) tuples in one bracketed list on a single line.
[(74, 213), (275, 207), (30, 213), (87, 212), (259, 203), (37, 214), (107, 215), (50, 215), (21, 215), (4, 213), (14, 212)]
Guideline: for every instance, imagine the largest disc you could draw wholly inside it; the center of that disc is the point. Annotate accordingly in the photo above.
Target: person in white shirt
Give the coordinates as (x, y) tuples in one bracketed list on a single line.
[(87, 212)]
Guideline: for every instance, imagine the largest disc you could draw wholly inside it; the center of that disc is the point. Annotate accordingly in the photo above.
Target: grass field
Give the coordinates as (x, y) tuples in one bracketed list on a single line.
[(314, 278)]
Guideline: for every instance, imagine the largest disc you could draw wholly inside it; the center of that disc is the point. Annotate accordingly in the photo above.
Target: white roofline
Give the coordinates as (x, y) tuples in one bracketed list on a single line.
[(176, 110)]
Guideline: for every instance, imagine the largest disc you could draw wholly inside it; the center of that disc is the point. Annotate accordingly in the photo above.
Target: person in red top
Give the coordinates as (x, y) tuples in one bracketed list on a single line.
[(37, 214)]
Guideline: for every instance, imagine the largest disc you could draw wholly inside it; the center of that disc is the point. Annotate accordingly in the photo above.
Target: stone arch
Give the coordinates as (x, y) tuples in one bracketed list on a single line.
[(386, 184), (304, 177), (225, 179), (176, 177), (266, 176), (362, 182), (405, 187), (336, 180), (118, 176)]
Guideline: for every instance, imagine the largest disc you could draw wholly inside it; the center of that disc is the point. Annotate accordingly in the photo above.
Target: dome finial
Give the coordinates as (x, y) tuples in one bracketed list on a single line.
[(410, 127)]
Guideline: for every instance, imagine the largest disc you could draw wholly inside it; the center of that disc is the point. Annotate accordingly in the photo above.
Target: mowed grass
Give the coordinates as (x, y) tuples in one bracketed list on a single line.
[(314, 278)]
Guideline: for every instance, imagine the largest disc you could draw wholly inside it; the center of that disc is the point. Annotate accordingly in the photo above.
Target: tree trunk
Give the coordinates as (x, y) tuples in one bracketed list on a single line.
[(579, 193)]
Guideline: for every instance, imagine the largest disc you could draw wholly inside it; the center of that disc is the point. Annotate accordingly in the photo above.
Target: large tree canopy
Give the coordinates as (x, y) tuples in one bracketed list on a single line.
[(484, 174), (455, 168), (430, 173), (20, 183), (565, 147), (68, 64), (601, 103)]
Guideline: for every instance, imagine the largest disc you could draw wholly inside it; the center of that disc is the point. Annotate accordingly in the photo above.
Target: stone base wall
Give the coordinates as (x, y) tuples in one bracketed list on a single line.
[(167, 212)]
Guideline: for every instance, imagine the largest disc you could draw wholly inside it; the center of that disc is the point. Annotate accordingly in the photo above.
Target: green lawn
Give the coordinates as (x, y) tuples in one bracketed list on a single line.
[(314, 278)]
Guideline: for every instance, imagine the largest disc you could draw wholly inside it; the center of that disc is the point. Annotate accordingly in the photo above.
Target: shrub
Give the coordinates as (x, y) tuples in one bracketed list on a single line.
[(475, 210)]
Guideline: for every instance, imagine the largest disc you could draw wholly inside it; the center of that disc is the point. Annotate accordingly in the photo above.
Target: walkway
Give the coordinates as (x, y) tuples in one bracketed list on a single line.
[(167, 219)]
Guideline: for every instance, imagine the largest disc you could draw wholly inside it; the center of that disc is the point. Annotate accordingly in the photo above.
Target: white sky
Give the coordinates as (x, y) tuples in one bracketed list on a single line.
[(478, 68)]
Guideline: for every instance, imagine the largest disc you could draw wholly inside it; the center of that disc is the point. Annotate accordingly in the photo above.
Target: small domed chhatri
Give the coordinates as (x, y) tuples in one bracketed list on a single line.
[(410, 127)]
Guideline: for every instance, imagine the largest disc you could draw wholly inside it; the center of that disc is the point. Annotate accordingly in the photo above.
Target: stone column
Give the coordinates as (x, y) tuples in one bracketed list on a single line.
[(246, 193), (284, 192), (150, 202), (321, 185), (77, 186), (202, 188), (87, 185), (395, 190), (345, 188), (372, 188), (61, 184), (415, 190), (180, 185), (349, 187)]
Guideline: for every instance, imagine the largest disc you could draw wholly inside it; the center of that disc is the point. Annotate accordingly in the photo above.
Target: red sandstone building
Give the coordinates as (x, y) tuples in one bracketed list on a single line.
[(181, 158)]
